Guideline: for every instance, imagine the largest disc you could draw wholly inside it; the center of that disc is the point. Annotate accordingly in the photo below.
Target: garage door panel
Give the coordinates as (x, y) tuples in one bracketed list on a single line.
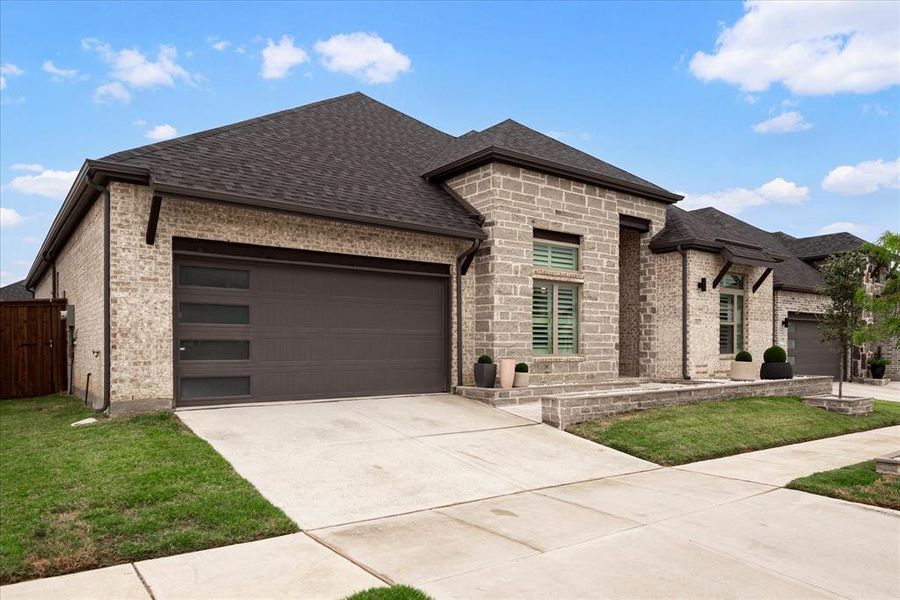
[(313, 332), (808, 352)]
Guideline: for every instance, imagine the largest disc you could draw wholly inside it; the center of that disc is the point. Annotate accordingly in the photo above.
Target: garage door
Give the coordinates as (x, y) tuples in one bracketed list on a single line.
[(251, 331), (806, 350)]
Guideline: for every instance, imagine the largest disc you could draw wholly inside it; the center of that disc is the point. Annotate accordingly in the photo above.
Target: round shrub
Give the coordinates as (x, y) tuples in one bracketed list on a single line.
[(743, 356), (484, 359), (521, 367), (775, 354)]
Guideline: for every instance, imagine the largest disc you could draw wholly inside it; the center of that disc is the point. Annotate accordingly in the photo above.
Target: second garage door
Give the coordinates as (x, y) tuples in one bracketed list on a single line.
[(250, 331), (806, 350)]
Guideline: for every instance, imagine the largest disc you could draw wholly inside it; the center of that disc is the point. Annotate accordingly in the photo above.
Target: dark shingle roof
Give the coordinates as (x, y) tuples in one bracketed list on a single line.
[(820, 246), (516, 138), (15, 291), (711, 229), (350, 156)]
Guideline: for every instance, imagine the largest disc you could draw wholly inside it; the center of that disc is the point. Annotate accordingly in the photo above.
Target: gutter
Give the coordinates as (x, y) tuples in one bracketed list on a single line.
[(684, 315), (463, 261)]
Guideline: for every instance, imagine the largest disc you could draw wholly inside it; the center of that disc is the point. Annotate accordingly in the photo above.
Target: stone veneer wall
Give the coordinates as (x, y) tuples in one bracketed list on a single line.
[(704, 359), (668, 306), (514, 202), (629, 302), (141, 274), (562, 410), (79, 268)]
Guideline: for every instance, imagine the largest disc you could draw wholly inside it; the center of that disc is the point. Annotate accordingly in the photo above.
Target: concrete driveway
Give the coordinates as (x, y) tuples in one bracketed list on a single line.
[(465, 501), (891, 391)]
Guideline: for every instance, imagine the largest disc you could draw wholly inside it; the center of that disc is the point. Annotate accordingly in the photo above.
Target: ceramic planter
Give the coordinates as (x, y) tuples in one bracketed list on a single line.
[(485, 374), (877, 371), (744, 371), (779, 370), (520, 380), (507, 372)]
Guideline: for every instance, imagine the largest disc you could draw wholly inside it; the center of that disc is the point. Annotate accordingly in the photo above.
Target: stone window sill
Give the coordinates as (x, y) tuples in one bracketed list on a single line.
[(556, 275), (559, 358)]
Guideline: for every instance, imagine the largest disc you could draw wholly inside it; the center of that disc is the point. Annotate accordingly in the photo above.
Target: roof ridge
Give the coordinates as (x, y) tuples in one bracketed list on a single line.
[(151, 148)]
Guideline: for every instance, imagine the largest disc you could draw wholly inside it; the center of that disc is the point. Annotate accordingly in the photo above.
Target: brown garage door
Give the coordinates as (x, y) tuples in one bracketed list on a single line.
[(250, 331), (806, 350)]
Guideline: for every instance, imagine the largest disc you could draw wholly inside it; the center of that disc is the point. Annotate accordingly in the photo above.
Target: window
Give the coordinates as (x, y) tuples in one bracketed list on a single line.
[(227, 314), (214, 387), (214, 350), (556, 256), (215, 277), (554, 318), (731, 314)]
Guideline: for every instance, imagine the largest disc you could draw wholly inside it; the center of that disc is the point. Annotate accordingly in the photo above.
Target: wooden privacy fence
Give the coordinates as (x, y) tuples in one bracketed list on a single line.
[(32, 348)]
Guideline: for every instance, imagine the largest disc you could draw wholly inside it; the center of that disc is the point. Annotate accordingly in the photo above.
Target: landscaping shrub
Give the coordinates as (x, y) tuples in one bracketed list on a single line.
[(743, 356), (775, 354), (521, 367), (484, 359)]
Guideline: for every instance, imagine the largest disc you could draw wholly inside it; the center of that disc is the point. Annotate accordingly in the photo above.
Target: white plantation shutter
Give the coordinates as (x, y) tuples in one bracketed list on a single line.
[(556, 257), (542, 319), (566, 320)]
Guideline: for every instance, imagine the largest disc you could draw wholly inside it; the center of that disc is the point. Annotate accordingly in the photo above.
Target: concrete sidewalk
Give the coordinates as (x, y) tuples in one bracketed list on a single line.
[(890, 391), (464, 501)]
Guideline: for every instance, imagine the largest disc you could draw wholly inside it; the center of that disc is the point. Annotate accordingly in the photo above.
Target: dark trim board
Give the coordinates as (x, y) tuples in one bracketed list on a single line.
[(556, 236)]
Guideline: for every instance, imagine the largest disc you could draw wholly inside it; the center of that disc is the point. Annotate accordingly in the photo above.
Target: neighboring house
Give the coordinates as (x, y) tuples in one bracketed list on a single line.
[(15, 291), (343, 248)]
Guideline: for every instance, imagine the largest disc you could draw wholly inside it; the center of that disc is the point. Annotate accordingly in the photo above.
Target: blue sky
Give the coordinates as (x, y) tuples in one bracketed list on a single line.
[(786, 115)]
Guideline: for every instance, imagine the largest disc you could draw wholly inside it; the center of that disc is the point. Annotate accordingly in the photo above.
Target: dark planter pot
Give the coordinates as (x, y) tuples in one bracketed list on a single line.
[(485, 374), (776, 371), (877, 371)]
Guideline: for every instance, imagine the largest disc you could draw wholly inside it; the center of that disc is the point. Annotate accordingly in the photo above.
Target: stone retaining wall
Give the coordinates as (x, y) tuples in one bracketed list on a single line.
[(562, 410), (504, 397)]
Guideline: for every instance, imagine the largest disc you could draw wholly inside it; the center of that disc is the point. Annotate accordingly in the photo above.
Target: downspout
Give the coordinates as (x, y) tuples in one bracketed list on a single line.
[(104, 192), (462, 265), (684, 316)]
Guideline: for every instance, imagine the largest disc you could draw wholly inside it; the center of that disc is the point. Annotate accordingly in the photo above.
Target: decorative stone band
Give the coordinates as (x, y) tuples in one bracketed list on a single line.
[(562, 410)]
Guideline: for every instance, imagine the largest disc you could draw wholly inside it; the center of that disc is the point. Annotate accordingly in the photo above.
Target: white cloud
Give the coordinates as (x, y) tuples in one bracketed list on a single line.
[(875, 109), (11, 70), (33, 167), (812, 48), (162, 132), (30, 239), (749, 98), (583, 136), (49, 183), (8, 70), (59, 72), (218, 43), (280, 58), (9, 217), (842, 226), (112, 92), (240, 50), (363, 55), (20, 262), (140, 122), (134, 68), (786, 122), (734, 200), (7, 278), (863, 178)]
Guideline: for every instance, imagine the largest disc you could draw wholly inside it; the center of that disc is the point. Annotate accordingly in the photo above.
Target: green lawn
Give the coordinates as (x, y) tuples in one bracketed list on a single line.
[(395, 592), (75, 498), (682, 434), (856, 483)]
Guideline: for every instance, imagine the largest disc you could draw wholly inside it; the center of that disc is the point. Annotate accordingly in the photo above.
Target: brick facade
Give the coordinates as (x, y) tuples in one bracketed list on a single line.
[(141, 274), (79, 268), (704, 359), (515, 201)]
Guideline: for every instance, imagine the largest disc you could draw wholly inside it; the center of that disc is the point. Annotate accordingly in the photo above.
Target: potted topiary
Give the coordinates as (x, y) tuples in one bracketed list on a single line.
[(775, 365), (742, 367), (485, 372), (877, 363), (521, 379)]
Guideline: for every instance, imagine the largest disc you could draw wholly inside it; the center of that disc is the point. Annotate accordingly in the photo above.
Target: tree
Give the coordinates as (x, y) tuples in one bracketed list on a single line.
[(842, 278), (883, 306)]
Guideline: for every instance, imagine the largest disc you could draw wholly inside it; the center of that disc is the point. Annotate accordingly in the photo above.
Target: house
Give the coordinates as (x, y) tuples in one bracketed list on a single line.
[(343, 249)]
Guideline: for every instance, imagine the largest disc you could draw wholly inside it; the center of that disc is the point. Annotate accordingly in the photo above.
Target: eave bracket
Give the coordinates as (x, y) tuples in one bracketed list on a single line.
[(721, 274), (153, 219), (762, 279)]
